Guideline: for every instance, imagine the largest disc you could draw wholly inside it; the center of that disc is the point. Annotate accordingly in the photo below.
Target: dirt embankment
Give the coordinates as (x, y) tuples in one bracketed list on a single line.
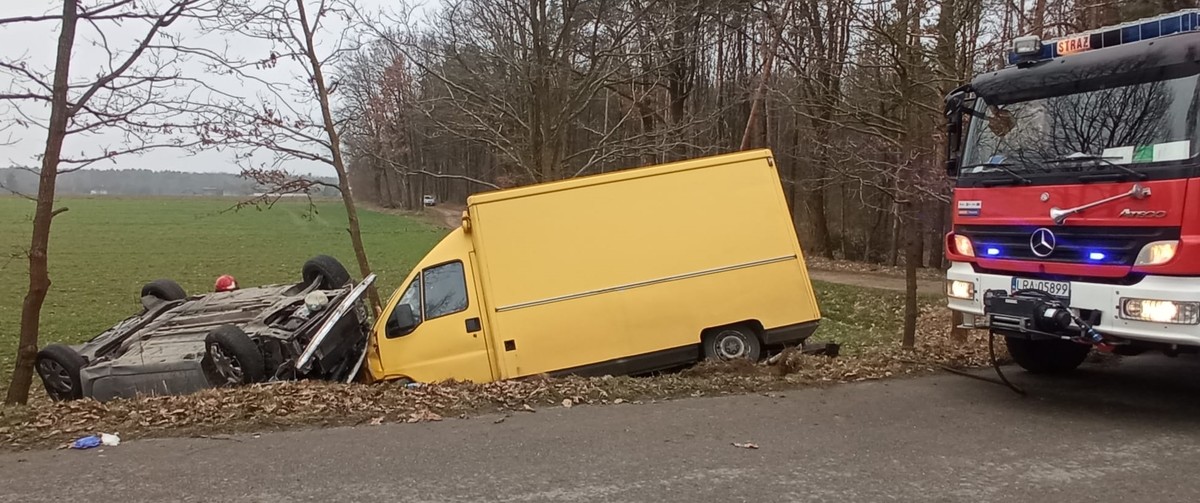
[(289, 405)]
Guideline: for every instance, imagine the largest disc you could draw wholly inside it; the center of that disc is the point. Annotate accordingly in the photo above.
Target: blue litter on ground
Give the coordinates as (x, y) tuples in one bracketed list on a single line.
[(86, 442)]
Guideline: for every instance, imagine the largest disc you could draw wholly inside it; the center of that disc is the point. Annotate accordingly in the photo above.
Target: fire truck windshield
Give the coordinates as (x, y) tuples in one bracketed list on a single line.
[(1135, 126)]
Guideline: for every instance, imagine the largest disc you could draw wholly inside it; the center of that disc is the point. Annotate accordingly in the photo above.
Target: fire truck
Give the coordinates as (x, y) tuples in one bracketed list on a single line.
[(1076, 219)]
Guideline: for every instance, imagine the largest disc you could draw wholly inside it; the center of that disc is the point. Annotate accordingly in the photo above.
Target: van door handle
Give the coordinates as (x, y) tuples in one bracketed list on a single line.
[(473, 325)]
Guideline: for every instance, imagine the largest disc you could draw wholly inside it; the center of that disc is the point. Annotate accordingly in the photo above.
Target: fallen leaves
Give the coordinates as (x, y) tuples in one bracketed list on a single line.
[(292, 404), (423, 416)]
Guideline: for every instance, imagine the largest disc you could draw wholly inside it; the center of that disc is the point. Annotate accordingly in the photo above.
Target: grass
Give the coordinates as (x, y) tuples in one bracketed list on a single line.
[(859, 317), (104, 249)]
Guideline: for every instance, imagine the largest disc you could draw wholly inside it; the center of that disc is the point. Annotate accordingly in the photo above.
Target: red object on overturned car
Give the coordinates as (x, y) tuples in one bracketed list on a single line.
[(314, 329)]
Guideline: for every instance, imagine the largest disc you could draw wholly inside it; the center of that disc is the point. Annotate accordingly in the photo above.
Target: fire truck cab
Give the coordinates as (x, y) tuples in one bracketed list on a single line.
[(1077, 194)]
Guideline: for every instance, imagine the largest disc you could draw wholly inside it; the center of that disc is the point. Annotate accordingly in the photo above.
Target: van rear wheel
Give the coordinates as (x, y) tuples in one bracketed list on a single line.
[(732, 343)]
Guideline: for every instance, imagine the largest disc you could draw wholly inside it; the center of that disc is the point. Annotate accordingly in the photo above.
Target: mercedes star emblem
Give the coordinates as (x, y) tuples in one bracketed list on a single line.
[(1042, 242)]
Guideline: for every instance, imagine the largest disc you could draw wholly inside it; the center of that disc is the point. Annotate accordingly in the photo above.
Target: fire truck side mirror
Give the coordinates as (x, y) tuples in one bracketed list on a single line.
[(953, 139), (954, 122)]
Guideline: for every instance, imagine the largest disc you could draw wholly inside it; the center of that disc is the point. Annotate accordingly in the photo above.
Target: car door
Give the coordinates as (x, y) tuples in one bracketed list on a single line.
[(448, 341)]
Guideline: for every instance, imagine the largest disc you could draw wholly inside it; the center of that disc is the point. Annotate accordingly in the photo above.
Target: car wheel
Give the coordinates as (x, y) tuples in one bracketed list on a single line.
[(1049, 356), (164, 289), (231, 358), (58, 366), (331, 272), (732, 343)]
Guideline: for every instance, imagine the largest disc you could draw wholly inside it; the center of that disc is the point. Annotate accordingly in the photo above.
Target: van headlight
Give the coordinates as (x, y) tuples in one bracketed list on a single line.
[(1161, 311), (1156, 253), (960, 289)]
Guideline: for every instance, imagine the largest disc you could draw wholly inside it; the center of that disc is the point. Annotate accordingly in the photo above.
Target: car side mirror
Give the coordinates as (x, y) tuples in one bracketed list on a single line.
[(401, 322)]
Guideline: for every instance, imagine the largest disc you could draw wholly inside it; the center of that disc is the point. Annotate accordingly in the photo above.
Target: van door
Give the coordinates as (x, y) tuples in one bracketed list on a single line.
[(445, 338)]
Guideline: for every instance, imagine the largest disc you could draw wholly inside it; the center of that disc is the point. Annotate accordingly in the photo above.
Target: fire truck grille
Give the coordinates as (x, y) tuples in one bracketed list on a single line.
[(1090, 245)]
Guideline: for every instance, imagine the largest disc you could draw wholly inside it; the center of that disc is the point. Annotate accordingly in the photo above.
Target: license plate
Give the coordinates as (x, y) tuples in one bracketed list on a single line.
[(1060, 289)]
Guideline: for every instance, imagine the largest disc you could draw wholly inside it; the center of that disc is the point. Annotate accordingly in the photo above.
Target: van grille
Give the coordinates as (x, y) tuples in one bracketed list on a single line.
[(1118, 245)]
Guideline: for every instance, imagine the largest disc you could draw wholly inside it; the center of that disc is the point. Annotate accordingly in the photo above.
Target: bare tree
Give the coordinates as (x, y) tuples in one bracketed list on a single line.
[(526, 79), (133, 94), (292, 119)]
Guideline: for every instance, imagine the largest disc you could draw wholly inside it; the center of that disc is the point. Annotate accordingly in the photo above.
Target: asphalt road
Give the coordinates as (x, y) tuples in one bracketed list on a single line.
[(1125, 432)]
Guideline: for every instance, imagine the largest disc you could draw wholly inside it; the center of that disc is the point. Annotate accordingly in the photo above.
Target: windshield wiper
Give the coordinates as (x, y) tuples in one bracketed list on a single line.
[(1104, 159), (1001, 166)]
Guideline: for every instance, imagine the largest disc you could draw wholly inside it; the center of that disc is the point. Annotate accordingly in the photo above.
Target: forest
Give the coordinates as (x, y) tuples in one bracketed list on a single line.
[(471, 95)]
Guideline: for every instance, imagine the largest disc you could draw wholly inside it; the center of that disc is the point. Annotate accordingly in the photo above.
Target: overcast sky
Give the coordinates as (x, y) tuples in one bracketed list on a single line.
[(35, 44)]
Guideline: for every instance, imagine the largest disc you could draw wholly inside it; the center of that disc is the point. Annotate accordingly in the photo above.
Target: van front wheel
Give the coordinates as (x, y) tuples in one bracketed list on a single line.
[(732, 343)]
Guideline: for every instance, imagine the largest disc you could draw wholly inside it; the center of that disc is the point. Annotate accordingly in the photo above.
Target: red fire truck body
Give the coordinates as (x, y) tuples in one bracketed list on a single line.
[(1077, 195)]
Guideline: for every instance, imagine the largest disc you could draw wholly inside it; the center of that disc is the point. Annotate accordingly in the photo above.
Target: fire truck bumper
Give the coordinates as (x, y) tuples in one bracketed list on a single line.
[(1159, 309)]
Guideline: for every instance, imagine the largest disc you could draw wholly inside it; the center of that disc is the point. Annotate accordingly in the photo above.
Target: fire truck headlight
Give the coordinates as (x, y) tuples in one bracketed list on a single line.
[(1157, 253), (960, 289), (1161, 311), (963, 246), (1027, 45)]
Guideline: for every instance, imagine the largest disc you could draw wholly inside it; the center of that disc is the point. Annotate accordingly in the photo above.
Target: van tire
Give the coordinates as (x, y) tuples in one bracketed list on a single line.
[(731, 343)]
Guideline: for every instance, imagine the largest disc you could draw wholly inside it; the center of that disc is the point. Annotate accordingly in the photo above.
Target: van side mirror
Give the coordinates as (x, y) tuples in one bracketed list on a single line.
[(401, 322)]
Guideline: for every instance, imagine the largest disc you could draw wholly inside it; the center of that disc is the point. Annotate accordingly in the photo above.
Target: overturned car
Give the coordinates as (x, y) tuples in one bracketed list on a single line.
[(314, 329)]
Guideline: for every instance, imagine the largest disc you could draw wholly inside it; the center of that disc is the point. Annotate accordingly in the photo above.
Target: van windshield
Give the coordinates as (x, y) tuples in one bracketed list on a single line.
[(1135, 125)]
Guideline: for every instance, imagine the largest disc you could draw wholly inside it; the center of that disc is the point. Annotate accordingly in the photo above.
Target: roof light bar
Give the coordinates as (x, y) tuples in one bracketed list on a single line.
[(1109, 36)]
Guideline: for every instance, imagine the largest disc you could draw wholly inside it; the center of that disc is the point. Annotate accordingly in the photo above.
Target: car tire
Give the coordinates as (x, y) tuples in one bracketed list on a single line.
[(1048, 356), (164, 289), (731, 343), (58, 366), (331, 272), (231, 358)]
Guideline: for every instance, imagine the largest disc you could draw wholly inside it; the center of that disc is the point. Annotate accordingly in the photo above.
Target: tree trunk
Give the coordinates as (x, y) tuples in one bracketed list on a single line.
[(39, 274), (918, 232), (911, 259), (1039, 18), (844, 227), (339, 165), (820, 221), (760, 92), (894, 251), (936, 250)]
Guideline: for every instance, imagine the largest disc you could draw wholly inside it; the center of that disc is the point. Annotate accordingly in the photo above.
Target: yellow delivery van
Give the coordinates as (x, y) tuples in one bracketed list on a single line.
[(619, 273)]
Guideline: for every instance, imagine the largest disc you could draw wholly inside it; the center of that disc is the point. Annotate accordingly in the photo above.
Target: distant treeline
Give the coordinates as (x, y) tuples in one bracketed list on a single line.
[(135, 182)]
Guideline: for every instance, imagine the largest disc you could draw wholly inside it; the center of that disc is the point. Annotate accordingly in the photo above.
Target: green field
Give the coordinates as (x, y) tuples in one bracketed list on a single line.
[(104, 249)]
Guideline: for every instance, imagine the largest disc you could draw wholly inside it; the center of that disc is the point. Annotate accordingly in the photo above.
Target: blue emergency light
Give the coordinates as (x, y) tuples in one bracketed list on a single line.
[(1025, 48), (993, 252), (1096, 256)]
